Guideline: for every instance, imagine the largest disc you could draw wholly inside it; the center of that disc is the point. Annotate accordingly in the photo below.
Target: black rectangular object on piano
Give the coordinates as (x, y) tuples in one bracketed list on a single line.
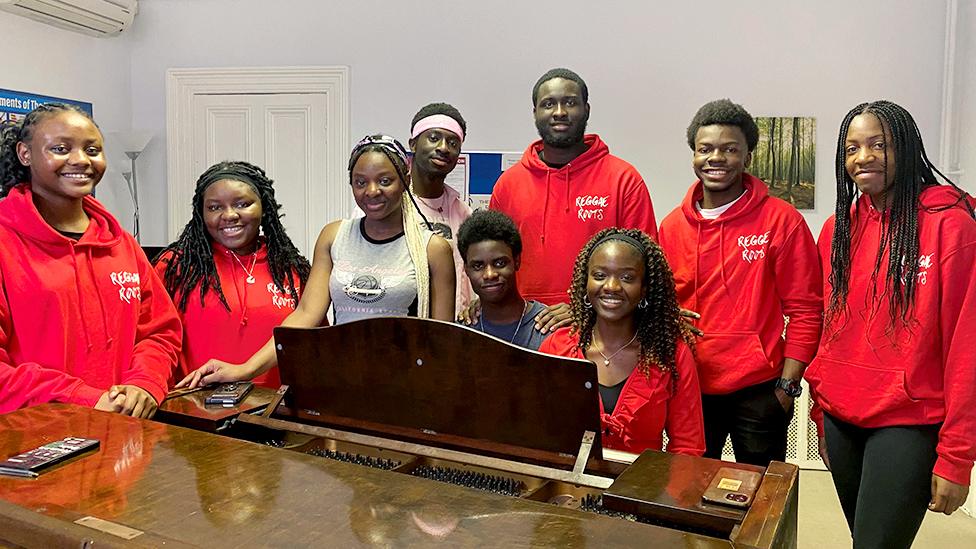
[(423, 379)]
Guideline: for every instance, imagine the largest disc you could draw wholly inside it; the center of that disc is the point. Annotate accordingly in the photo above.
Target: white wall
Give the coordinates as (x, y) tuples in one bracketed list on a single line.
[(966, 93), (649, 66), (41, 59), (965, 90)]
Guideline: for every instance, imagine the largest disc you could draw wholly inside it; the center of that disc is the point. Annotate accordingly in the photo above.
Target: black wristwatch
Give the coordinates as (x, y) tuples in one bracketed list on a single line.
[(791, 387)]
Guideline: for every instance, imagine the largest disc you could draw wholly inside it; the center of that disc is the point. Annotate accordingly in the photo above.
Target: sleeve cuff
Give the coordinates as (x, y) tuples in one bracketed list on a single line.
[(954, 470), (157, 391), (86, 395), (803, 353)]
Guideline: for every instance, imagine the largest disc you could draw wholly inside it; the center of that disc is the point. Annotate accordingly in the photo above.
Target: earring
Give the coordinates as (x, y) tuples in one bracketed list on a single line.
[(586, 302), (642, 304)]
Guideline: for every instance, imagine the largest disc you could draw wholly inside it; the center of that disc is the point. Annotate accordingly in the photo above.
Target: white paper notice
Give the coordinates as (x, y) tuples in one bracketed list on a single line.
[(510, 159), (458, 179), (479, 201)]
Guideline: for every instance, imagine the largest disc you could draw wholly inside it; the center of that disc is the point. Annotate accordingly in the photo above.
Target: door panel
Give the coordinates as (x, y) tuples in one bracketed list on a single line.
[(283, 133)]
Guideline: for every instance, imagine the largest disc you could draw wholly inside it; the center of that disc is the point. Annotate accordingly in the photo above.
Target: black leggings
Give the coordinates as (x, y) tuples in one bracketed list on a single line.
[(883, 478)]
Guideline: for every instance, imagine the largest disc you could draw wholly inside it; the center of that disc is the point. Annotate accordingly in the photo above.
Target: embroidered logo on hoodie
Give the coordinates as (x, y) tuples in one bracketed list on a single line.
[(753, 246), (591, 206), (128, 283), (925, 263), (281, 299)]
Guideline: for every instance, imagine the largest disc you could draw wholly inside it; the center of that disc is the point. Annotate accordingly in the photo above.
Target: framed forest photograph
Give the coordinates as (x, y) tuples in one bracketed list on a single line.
[(785, 158)]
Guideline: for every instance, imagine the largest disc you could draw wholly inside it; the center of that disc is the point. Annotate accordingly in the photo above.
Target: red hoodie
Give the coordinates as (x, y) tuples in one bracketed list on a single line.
[(647, 406), (78, 317), (743, 272), (211, 331), (872, 374), (558, 211)]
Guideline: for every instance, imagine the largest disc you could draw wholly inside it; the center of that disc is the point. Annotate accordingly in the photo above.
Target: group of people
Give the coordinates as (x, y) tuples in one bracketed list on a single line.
[(701, 329)]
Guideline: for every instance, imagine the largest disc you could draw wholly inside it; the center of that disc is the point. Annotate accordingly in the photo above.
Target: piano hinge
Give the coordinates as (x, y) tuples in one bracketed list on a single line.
[(275, 401), (584, 452)]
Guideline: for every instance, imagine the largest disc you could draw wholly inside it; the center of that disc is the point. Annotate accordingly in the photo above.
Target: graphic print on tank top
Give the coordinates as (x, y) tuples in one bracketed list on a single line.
[(370, 278), (369, 288)]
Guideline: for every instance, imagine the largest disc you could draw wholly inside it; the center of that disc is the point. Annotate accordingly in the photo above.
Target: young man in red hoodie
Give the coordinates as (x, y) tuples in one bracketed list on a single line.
[(743, 260), (566, 188)]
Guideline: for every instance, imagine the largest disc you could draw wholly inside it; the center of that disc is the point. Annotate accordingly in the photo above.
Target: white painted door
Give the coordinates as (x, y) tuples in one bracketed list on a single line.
[(283, 133)]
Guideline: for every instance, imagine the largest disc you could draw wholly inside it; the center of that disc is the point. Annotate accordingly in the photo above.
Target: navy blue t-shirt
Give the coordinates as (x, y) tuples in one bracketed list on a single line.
[(527, 336)]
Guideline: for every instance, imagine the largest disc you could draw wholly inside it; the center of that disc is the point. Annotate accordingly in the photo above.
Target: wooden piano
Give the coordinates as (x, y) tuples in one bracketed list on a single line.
[(415, 433)]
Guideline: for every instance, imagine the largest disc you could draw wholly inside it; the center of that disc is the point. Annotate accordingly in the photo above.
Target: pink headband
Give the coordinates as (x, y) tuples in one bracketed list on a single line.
[(441, 121)]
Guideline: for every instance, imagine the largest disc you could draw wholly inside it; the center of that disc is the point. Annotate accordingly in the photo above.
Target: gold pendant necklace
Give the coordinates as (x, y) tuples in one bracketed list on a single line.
[(606, 359), (250, 272)]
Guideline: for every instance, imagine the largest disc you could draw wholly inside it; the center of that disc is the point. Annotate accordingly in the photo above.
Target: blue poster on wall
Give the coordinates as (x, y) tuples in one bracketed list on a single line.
[(14, 105)]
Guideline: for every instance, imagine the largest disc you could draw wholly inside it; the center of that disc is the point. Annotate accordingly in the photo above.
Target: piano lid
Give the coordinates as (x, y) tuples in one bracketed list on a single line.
[(437, 381)]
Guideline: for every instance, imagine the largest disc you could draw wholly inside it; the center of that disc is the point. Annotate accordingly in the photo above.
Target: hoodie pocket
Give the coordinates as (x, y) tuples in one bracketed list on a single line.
[(862, 394), (729, 361)]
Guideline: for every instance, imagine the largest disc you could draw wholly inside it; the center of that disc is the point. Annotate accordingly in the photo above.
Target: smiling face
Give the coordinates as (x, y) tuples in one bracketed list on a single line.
[(870, 156), (491, 268), (721, 156), (435, 151), (65, 156), (232, 213), (615, 280), (560, 113), (376, 186)]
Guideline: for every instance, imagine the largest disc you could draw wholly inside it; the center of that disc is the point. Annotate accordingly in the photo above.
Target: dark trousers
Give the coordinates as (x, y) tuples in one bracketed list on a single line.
[(883, 478), (753, 418)]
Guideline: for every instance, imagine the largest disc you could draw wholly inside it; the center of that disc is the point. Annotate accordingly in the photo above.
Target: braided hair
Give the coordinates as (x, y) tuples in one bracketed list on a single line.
[(12, 172), (191, 263), (659, 325), (412, 216), (914, 172)]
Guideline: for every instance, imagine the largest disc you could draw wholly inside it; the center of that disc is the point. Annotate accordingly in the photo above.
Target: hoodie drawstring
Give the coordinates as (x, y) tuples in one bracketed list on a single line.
[(98, 294), (101, 303), (721, 247), (84, 321), (568, 172), (237, 287), (545, 207), (697, 266)]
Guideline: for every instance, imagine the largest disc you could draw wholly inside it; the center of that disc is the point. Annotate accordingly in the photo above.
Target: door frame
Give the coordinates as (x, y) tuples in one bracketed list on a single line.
[(183, 84)]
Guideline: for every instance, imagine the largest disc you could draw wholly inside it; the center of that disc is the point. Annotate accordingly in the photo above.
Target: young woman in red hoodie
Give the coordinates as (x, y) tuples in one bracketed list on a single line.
[(383, 264), (894, 374), (231, 283), (626, 320), (83, 317)]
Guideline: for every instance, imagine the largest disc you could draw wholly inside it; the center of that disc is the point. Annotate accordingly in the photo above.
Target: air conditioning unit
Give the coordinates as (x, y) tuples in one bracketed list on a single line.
[(93, 17)]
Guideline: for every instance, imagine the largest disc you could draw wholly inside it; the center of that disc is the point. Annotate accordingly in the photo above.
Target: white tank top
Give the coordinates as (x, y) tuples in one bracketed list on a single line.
[(371, 278)]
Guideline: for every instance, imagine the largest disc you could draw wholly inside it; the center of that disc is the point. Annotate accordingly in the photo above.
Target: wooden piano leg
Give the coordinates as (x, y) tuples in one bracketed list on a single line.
[(771, 523)]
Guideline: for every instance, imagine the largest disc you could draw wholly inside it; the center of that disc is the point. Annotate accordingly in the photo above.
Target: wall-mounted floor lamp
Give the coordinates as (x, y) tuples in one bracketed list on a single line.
[(133, 143)]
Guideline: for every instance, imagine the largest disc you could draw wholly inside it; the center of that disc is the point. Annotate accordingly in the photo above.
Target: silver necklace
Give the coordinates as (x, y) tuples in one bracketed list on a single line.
[(525, 306), (606, 359), (250, 272)]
